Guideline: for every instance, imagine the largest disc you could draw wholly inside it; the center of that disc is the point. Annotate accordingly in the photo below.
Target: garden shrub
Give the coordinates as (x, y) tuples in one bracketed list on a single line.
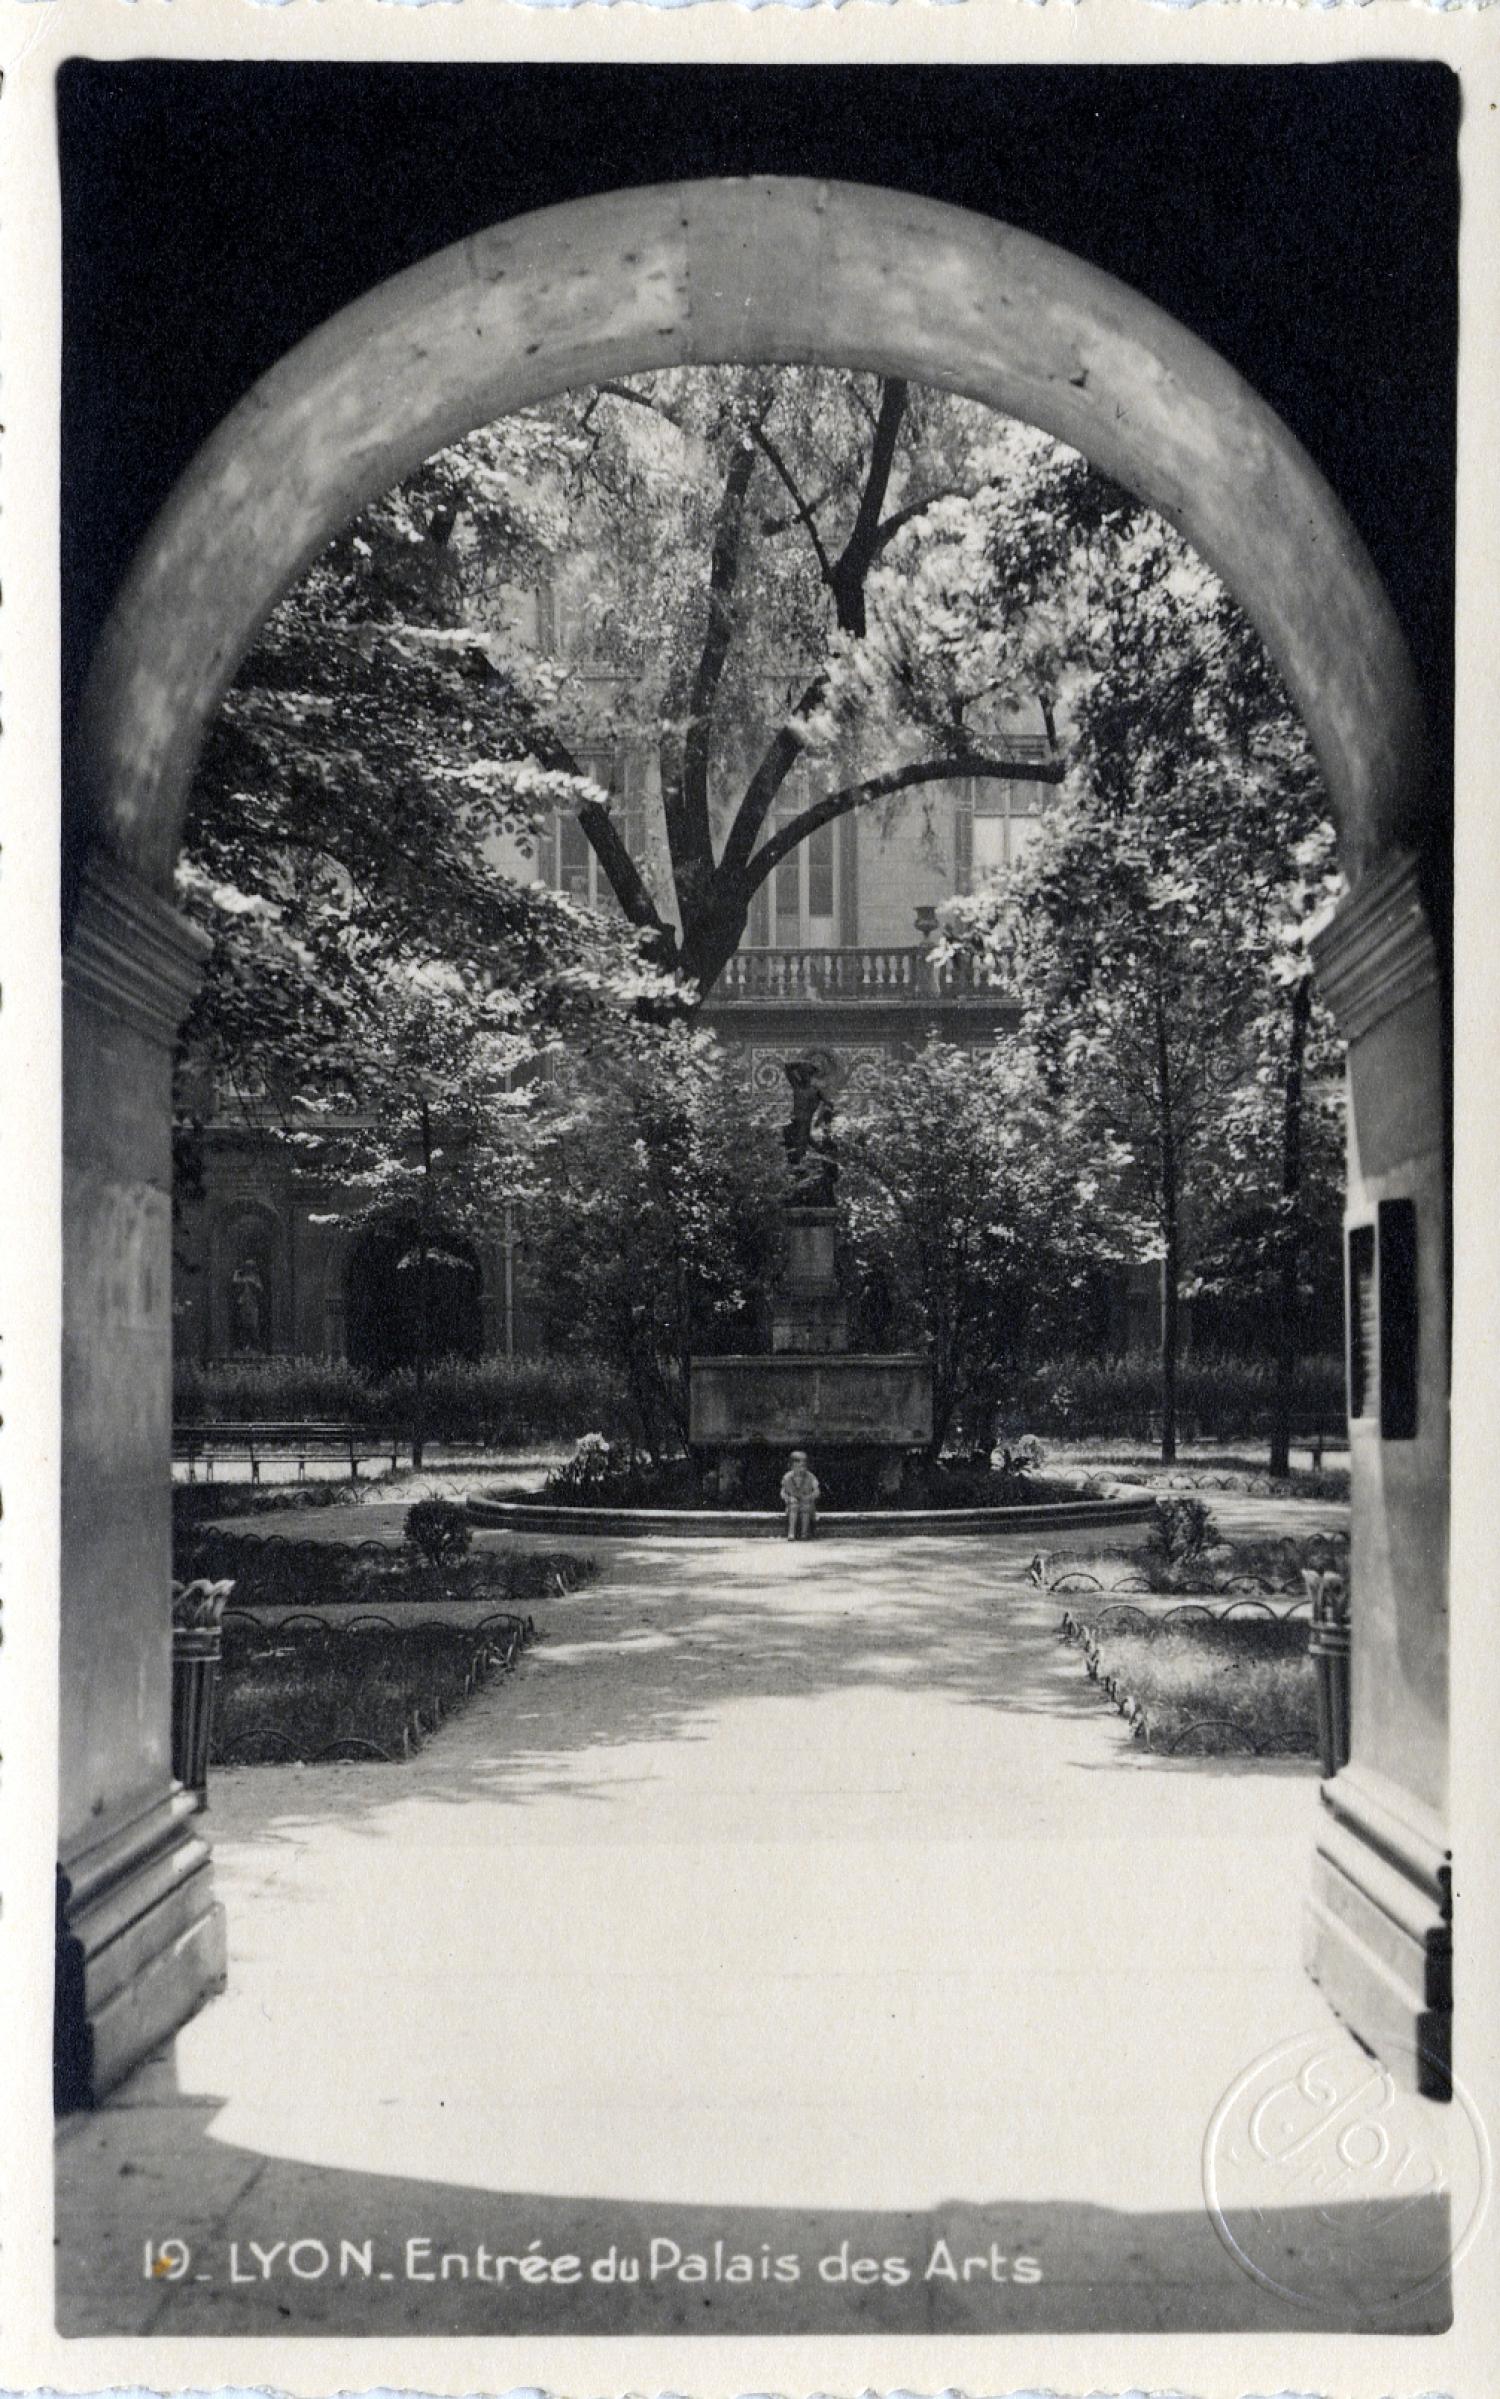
[(604, 1474), (498, 1402), (1218, 1398), (374, 1693), (439, 1530), (1181, 1529)]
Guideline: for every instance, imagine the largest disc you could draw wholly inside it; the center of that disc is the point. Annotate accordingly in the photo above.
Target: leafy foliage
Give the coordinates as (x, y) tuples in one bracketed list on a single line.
[(439, 1530), (1181, 1529), (968, 1219), (1158, 929), (658, 1222), (1219, 1396), (499, 1403), (746, 542)]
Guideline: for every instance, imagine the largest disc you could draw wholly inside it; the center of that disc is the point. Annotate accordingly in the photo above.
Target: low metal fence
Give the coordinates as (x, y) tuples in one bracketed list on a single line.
[(435, 1667)]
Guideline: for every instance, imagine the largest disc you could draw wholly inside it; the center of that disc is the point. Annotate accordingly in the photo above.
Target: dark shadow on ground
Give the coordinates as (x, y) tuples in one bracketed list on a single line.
[(133, 2175)]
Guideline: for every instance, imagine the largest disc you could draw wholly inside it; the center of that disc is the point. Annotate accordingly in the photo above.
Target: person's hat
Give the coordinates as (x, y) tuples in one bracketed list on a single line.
[(800, 1453)]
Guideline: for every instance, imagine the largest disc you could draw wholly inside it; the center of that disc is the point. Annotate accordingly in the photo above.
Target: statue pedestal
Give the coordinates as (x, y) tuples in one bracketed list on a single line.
[(863, 1418), (808, 1314)]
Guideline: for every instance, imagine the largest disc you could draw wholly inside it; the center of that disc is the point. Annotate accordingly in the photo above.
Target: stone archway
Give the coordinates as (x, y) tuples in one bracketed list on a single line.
[(781, 271)]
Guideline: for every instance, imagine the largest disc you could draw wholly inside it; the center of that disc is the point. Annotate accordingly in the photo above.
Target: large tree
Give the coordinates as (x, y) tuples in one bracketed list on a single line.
[(365, 766), (970, 1210), (434, 1136), (1158, 929), (745, 546)]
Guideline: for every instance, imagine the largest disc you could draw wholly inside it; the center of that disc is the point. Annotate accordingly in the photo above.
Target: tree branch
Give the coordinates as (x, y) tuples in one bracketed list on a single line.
[(846, 582), (887, 530), (622, 391), (804, 513), (773, 525), (601, 833), (858, 554), (879, 787), (689, 833)]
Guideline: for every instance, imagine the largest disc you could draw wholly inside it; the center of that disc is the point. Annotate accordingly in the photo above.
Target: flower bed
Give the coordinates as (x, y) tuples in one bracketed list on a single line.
[(615, 1476), (1194, 1683), (270, 1569), (1213, 1569), (307, 1692)]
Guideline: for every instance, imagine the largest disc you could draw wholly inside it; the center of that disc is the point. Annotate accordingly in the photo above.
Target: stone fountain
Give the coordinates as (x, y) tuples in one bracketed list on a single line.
[(864, 1419)]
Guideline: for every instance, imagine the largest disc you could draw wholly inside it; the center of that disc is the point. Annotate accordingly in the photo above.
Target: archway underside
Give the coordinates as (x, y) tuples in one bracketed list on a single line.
[(780, 271)]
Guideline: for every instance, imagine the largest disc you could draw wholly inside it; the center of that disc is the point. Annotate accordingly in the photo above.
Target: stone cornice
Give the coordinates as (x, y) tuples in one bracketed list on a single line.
[(131, 954), (1378, 952)]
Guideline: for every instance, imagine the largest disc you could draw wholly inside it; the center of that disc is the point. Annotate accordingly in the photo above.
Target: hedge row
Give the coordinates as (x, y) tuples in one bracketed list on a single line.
[(1218, 1398), (508, 1402), (504, 1402)]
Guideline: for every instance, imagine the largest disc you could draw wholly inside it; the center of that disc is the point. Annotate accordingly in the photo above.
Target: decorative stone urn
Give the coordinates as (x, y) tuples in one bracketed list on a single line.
[(197, 1643)]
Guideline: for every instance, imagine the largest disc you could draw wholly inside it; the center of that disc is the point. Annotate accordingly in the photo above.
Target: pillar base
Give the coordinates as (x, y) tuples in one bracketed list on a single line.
[(1377, 1928), (140, 1946)]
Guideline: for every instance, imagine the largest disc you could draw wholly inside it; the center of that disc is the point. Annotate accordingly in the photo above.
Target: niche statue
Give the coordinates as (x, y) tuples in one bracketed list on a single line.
[(812, 1152), (247, 1308)]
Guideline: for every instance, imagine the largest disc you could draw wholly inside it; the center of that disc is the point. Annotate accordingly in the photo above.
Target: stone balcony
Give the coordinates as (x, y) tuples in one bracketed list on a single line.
[(896, 977)]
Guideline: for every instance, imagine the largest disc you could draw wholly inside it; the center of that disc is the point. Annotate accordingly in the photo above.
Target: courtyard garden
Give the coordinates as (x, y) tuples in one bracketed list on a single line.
[(1064, 1245)]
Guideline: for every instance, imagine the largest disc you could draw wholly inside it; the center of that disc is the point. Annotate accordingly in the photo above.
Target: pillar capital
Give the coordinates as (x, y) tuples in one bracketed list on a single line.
[(1378, 951), (131, 953)]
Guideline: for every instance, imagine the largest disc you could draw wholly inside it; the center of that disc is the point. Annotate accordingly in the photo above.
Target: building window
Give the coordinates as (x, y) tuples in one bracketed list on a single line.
[(963, 841), (797, 906), (569, 860), (1004, 812)]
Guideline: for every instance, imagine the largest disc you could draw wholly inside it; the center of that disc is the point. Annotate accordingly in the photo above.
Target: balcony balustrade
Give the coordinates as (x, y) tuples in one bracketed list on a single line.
[(886, 976)]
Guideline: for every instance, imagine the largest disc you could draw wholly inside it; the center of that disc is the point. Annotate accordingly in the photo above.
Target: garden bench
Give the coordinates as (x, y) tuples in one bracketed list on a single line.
[(1318, 1438), (204, 1444)]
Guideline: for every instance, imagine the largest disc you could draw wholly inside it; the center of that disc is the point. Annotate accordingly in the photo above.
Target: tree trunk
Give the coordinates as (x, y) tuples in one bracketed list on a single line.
[(1286, 1263), (424, 1296), (1171, 1226), (1170, 1313)]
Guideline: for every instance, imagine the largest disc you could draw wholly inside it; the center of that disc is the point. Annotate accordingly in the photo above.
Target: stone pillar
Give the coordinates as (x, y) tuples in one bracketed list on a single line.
[(140, 1939), (1377, 1921)]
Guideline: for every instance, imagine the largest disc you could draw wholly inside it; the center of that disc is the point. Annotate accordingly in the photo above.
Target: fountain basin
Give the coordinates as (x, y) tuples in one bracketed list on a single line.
[(765, 1524), (811, 1400)]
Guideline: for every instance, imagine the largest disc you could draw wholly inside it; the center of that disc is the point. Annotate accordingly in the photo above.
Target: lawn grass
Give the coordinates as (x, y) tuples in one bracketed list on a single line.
[(310, 1694), (1237, 1687)]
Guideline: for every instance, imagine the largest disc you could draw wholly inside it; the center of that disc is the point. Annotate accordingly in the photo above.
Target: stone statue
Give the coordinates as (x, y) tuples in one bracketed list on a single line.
[(247, 1307), (812, 1152)]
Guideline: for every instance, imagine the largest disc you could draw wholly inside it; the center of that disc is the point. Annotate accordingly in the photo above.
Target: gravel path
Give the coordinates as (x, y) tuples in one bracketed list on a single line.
[(783, 1895)]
